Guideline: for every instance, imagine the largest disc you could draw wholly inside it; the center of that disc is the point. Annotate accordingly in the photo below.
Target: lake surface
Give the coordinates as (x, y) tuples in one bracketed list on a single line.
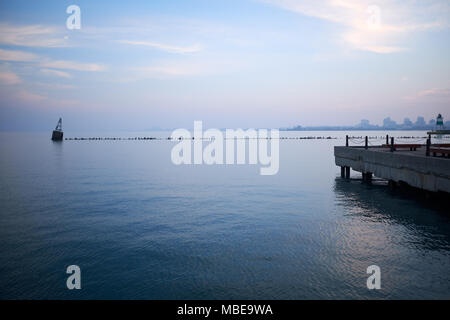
[(141, 227)]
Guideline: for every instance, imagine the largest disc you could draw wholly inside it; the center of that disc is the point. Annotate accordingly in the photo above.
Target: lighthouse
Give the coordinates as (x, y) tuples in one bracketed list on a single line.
[(57, 134), (439, 122), (440, 130)]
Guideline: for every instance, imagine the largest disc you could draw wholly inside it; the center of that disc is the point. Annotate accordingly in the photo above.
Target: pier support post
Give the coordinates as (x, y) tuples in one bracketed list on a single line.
[(387, 139), (392, 184), (367, 142), (346, 140), (428, 147), (347, 172), (367, 176), (342, 172), (392, 144)]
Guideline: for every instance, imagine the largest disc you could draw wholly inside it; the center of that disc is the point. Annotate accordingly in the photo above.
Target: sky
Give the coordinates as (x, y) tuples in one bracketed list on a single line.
[(140, 65)]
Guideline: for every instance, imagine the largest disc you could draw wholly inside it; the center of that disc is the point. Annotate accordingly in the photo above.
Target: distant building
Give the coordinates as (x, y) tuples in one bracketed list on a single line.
[(389, 124), (364, 124), (420, 122), (407, 123)]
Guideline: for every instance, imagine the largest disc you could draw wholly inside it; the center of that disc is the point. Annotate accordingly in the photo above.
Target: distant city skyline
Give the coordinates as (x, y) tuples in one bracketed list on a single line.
[(240, 63), (387, 124)]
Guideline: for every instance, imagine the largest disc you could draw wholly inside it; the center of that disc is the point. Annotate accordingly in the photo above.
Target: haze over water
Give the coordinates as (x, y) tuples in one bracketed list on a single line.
[(140, 227)]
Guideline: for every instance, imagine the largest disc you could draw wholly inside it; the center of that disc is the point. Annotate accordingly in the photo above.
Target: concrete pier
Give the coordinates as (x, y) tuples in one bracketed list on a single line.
[(402, 166)]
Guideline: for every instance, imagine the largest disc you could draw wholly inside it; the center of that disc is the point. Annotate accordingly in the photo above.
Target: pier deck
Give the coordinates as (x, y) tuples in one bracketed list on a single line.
[(414, 168)]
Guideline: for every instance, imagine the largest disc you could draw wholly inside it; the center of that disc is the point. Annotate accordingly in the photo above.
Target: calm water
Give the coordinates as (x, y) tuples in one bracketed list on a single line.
[(141, 227)]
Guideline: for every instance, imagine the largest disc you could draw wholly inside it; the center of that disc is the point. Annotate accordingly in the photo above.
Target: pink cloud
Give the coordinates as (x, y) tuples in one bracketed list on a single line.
[(9, 78)]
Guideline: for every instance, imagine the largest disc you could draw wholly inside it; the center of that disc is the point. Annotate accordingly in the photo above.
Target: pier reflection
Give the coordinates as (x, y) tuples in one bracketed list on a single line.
[(425, 222)]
